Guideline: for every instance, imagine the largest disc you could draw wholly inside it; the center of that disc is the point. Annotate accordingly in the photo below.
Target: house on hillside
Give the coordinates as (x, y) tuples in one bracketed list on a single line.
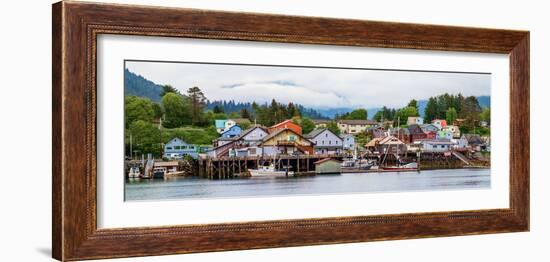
[(320, 123), (349, 141), (439, 123), (325, 141), (354, 126), (177, 149), (223, 124), (415, 120), (233, 131), (243, 122), (455, 130), (444, 134), (430, 130), (287, 142), (287, 124)]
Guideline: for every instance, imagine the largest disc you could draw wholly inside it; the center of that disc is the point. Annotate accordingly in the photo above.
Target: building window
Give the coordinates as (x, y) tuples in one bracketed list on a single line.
[(177, 147), (169, 148)]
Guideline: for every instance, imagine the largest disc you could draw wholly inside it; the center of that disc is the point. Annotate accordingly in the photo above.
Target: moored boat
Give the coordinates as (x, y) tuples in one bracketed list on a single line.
[(402, 168), (268, 171), (134, 172)]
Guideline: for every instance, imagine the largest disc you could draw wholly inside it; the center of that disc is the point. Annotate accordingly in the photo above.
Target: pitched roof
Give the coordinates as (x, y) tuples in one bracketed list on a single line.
[(357, 122), (415, 130), (245, 132), (315, 132), (232, 127), (278, 131), (473, 139), (372, 142), (288, 121), (399, 130), (391, 140)]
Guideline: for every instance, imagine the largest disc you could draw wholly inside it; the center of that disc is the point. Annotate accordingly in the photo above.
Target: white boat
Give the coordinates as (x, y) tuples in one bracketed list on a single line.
[(134, 172), (268, 171)]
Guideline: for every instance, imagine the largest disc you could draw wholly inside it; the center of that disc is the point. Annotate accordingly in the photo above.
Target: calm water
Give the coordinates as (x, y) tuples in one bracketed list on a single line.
[(185, 188)]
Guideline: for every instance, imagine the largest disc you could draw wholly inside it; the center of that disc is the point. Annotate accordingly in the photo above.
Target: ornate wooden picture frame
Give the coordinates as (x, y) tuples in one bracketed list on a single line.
[(76, 26)]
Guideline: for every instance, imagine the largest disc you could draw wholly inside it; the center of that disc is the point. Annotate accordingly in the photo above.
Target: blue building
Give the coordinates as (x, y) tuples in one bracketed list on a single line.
[(177, 149), (233, 131)]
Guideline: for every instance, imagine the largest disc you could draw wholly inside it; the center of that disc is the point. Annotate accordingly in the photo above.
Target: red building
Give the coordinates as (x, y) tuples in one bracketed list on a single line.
[(286, 124), (416, 133)]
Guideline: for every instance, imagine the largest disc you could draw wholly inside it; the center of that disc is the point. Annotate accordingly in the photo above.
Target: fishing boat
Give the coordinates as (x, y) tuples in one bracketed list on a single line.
[(413, 166), (269, 171), (400, 166), (134, 172)]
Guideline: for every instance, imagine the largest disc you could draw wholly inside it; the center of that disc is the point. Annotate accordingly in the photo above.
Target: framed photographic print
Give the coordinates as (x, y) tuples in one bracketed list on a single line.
[(193, 131)]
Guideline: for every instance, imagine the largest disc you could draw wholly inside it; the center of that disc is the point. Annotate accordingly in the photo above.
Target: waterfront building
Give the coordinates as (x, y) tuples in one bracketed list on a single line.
[(354, 126), (325, 141), (177, 149), (435, 145), (474, 141), (440, 123), (416, 133), (402, 134), (287, 124), (348, 141), (386, 145), (460, 144), (328, 166), (286, 141), (249, 138), (415, 120)]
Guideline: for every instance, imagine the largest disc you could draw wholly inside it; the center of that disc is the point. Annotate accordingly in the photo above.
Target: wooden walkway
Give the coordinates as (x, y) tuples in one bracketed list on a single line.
[(229, 167)]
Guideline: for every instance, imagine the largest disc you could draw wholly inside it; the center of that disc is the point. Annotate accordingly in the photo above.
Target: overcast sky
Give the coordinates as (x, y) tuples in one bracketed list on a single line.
[(311, 87)]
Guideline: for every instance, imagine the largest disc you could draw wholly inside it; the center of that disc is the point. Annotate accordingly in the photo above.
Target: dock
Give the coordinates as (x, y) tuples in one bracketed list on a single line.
[(229, 167)]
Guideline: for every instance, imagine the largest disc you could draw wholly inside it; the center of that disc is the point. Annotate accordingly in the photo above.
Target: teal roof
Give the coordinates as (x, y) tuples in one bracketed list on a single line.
[(220, 123)]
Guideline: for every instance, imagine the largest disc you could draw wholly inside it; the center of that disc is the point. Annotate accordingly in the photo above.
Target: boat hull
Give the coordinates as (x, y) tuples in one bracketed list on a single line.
[(399, 169), (262, 173)]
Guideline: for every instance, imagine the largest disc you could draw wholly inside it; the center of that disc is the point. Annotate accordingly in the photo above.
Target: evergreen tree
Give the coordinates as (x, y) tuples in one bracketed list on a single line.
[(431, 111), (451, 115), (198, 102), (218, 109), (168, 89), (245, 113)]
